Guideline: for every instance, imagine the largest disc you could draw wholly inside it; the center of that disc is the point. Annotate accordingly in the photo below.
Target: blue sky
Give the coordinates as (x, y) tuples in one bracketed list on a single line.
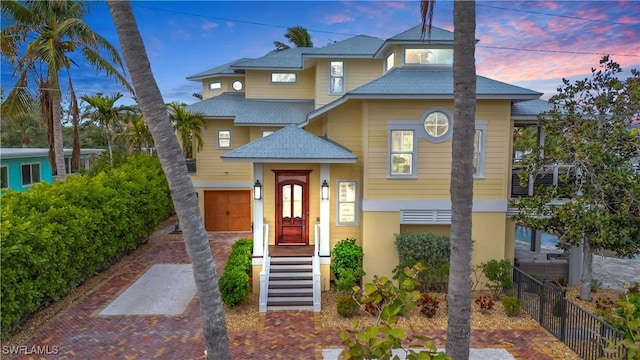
[(533, 44)]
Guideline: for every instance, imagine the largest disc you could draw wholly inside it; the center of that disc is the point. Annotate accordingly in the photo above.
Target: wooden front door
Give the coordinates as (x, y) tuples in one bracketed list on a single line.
[(227, 210), (292, 207)]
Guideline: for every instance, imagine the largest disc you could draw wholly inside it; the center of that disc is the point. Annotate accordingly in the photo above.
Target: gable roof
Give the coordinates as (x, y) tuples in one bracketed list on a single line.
[(253, 111), (414, 37), (283, 59), (217, 71), (529, 110), (357, 46), (291, 144)]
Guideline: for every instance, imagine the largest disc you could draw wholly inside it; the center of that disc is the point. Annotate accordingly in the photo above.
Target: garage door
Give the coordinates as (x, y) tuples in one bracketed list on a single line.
[(227, 210)]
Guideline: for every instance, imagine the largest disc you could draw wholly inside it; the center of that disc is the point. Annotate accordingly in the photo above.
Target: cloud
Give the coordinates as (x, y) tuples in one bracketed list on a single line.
[(180, 34), (208, 25), (338, 19)]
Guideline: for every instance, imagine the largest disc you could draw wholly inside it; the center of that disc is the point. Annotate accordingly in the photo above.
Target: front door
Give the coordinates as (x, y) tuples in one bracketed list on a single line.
[(292, 207)]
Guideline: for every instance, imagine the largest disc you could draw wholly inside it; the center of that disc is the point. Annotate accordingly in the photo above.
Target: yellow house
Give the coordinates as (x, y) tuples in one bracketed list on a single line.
[(308, 146)]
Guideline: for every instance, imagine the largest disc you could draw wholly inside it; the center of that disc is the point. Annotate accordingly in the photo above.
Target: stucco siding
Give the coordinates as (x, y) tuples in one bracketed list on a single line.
[(259, 85), (380, 255)]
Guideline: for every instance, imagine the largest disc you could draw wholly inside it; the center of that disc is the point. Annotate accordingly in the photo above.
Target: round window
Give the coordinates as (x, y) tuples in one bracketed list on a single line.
[(437, 124)]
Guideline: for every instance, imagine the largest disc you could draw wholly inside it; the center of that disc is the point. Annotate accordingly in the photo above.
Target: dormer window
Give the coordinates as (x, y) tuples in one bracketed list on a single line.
[(389, 62), (428, 56), (336, 78)]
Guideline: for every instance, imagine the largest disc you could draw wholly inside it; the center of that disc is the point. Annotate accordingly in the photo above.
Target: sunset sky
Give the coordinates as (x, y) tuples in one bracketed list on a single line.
[(533, 44)]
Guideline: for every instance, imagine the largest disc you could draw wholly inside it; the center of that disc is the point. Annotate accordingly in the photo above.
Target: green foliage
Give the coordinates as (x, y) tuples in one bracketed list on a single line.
[(431, 279), (55, 236), (512, 305), (428, 305), (347, 306), (393, 303), (498, 274), (234, 283), (346, 260), (429, 249), (627, 319)]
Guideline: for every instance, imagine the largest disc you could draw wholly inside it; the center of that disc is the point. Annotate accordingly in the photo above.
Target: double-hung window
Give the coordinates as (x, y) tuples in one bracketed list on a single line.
[(30, 174), (347, 204), (224, 139), (336, 78), (479, 140), (402, 155)]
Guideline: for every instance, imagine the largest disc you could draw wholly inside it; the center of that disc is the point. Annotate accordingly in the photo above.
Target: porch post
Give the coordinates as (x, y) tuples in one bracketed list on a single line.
[(258, 215), (324, 211)]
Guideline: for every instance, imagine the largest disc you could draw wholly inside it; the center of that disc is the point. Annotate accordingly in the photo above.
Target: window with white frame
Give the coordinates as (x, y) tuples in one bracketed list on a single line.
[(283, 77), (4, 177), (224, 139), (336, 78), (389, 62), (266, 132), (30, 174), (346, 206), (215, 85), (479, 140), (428, 56), (402, 153)]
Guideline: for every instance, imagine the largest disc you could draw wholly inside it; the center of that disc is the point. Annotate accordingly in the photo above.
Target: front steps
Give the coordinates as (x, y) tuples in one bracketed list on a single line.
[(290, 283)]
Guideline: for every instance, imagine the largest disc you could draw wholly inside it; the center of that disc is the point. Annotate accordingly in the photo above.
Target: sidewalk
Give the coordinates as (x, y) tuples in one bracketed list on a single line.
[(78, 332)]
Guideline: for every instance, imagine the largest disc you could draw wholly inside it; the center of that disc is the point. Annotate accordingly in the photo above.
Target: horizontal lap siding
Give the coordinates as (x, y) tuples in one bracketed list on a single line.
[(259, 85), (225, 86), (357, 73)]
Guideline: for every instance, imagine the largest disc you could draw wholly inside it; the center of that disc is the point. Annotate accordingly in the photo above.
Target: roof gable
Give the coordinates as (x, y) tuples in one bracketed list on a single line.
[(217, 71), (360, 45)]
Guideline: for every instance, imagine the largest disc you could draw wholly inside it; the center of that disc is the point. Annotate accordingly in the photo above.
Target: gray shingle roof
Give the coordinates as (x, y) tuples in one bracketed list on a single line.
[(415, 34), (360, 45), (285, 59), (530, 109), (253, 111), (416, 81), (291, 144), (218, 70)]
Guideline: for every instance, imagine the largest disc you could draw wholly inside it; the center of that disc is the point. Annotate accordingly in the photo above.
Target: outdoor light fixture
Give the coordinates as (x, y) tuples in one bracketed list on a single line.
[(257, 190), (325, 190)]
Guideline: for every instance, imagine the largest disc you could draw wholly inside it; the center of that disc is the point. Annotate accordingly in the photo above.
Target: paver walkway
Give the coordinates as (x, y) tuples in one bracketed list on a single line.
[(79, 333)]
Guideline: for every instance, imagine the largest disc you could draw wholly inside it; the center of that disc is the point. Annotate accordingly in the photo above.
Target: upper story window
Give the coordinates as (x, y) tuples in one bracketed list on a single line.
[(428, 56), (438, 125), (402, 155), (266, 132), (224, 139), (479, 141), (4, 177), (336, 77), (215, 85), (30, 174), (284, 77), (389, 62)]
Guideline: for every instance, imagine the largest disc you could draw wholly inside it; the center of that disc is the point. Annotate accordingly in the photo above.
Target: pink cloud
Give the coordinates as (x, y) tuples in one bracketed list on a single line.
[(338, 19), (395, 4)]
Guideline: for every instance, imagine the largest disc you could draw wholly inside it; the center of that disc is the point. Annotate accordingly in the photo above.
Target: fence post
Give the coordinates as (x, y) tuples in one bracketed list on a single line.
[(541, 294), (563, 316)]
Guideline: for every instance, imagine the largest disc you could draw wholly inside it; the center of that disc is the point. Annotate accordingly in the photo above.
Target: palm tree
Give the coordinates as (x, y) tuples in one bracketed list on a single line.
[(297, 35), (188, 126), (464, 94), (136, 133), (102, 110), (173, 163), (22, 128), (49, 32)]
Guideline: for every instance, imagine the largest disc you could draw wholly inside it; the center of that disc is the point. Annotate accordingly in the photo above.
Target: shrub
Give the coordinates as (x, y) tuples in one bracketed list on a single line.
[(485, 303), (512, 305), (429, 249), (428, 305), (347, 279), (347, 306), (234, 286), (346, 259), (498, 274)]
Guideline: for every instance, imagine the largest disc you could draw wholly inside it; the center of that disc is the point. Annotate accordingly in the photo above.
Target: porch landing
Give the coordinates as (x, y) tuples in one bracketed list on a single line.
[(291, 250)]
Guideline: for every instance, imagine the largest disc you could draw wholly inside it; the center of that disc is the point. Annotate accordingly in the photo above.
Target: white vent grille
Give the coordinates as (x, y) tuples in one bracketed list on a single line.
[(425, 217)]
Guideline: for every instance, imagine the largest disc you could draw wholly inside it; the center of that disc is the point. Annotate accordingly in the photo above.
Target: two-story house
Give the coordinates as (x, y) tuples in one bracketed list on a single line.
[(308, 146)]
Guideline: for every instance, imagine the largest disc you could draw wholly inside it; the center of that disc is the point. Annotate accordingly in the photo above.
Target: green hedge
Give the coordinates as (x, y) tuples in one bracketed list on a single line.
[(429, 249), (55, 236), (234, 282)]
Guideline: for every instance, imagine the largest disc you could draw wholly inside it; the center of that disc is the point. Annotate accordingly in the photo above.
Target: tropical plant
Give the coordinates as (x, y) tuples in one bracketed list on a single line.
[(173, 163), (135, 134), (188, 125), (512, 305), (297, 35), (346, 263), (39, 41), (102, 110), (590, 125), (23, 129), (498, 274)]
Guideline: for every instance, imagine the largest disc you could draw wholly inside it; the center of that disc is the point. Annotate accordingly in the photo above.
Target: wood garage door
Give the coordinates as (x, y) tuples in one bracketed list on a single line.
[(227, 210)]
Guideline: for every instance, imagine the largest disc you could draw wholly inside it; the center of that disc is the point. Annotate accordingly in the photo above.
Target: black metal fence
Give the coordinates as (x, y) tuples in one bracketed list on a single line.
[(584, 333)]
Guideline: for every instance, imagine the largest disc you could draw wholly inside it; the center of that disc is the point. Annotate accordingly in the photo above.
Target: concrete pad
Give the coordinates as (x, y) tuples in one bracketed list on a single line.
[(474, 354), (165, 289)]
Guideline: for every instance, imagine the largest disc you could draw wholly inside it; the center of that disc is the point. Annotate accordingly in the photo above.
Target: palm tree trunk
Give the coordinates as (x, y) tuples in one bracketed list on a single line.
[(58, 145), (182, 191), (75, 116), (464, 78)]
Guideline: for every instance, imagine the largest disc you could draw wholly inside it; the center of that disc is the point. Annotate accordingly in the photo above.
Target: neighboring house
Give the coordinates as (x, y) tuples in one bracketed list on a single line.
[(308, 146), (20, 168)]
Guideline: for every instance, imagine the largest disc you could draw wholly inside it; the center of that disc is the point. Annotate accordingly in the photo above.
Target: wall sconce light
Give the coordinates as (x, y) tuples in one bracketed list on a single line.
[(257, 190), (325, 190)]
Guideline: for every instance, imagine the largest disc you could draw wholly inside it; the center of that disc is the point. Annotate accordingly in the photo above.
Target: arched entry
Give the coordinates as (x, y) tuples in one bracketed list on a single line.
[(292, 207)]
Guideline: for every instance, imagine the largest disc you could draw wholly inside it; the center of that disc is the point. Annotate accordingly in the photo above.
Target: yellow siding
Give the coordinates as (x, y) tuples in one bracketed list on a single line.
[(225, 84), (380, 255), (357, 73), (488, 236), (255, 132), (316, 128), (210, 166), (259, 86)]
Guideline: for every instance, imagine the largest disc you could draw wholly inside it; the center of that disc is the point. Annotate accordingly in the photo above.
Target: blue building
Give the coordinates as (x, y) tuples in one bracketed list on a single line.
[(20, 168)]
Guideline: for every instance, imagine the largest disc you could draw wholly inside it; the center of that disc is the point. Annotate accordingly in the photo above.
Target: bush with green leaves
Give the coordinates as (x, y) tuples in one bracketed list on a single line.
[(55, 236), (498, 274), (346, 263), (512, 305), (234, 283), (429, 249), (347, 306)]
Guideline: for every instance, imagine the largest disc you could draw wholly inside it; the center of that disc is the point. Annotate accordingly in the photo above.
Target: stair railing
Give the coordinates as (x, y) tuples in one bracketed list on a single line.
[(316, 270), (264, 273)]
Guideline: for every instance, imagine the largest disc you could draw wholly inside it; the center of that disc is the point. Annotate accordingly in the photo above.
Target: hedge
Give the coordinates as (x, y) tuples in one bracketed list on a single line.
[(55, 236), (234, 282)]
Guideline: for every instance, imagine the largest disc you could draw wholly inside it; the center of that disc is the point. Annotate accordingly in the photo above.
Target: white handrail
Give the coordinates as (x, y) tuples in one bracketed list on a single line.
[(317, 302), (264, 273)]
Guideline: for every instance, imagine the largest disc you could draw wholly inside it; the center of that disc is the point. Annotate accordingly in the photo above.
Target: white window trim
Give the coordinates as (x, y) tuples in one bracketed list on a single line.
[(6, 167), (386, 67), (446, 136), (267, 131), (356, 209), (295, 78), (400, 126), (31, 173), (212, 86), (218, 139), (481, 125), (331, 77), (432, 47)]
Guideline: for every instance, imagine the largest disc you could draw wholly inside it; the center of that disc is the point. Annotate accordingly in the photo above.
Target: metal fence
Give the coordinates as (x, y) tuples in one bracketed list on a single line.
[(584, 333)]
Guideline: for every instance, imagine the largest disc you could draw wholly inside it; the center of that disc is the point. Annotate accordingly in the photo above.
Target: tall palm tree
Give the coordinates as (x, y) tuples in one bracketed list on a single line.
[(188, 125), (103, 111), (22, 128), (297, 35), (464, 94), (49, 32), (173, 163), (136, 133)]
